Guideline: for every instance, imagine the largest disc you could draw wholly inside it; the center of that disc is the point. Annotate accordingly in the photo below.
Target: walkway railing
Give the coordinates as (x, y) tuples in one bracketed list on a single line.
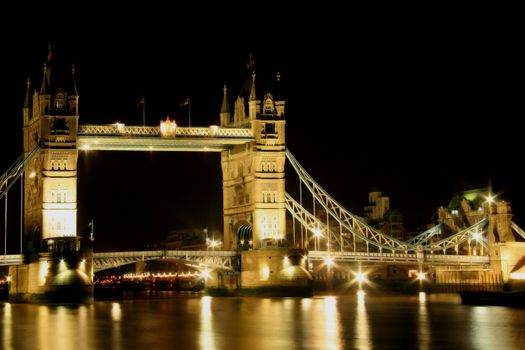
[(148, 131)]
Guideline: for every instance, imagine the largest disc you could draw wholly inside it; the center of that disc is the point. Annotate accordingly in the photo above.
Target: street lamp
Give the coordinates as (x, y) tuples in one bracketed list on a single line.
[(212, 243)]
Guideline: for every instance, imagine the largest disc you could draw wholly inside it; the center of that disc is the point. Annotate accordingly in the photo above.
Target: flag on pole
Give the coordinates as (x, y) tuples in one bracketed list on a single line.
[(141, 102), (184, 102)]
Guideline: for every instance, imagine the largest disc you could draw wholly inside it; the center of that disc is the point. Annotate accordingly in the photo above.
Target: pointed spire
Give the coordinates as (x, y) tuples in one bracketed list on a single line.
[(44, 78), (75, 91), (49, 53), (225, 107), (28, 95), (277, 92), (252, 90)]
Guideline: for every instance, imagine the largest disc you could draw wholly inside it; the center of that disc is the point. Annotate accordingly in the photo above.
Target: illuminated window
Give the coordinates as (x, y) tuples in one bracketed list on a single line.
[(269, 196), (60, 101), (268, 104)]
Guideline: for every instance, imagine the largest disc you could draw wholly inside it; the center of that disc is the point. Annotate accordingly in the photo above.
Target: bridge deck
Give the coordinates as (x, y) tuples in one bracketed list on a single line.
[(219, 257)]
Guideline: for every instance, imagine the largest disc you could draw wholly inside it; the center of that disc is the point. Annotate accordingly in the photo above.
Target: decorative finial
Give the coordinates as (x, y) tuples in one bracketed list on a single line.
[(28, 82), (73, 69), (224, 89), (253, 75), (278, 76)]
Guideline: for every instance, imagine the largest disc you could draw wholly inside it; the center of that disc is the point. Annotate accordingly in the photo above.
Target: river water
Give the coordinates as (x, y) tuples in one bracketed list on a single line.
[(321, 322)]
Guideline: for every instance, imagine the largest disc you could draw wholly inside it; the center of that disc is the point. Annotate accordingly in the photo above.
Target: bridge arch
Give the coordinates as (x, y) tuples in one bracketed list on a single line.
[(244, 236)]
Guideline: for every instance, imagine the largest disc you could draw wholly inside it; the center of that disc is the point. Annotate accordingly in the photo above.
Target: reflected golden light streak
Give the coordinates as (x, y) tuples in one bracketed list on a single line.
[(116, 312), (362, 327), (331, 323), (206, 339), (361, 299), (43, 335), (423, 330), (7, 329), (306, 304), (64, 329)]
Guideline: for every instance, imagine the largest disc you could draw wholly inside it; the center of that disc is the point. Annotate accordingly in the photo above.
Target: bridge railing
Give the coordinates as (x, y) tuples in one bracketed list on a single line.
[(400, 258), (165, 253), (148, 131)]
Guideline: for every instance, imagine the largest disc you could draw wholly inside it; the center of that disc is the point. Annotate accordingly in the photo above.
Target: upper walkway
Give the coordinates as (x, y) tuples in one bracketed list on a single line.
[(118, 137)]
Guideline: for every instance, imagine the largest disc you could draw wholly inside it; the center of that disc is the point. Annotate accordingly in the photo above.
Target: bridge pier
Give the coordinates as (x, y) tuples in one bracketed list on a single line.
[(275, 272), (53, 278)]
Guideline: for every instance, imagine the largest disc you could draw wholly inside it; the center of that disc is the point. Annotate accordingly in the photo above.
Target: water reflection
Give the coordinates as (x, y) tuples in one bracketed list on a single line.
[(422, 297), (306, 303), (116, 312), (331, 323), (206, 339), (362, 327), (7, 321), (191, 322), (508, 332), (43, 326), (424, 335), (116, 330)]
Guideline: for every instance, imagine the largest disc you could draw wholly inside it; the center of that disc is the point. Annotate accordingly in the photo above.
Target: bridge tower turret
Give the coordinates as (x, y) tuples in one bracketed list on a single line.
[(225, 114)]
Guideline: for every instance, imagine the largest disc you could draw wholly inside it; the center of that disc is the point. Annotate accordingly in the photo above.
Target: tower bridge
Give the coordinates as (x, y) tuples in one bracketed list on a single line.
[(252, 147)]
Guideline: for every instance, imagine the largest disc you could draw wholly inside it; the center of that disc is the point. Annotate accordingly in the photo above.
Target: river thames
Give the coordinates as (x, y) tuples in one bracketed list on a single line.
[(172, 321)]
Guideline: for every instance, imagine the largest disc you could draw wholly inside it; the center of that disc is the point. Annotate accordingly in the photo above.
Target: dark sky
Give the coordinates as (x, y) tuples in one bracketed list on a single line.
[(418, 105)]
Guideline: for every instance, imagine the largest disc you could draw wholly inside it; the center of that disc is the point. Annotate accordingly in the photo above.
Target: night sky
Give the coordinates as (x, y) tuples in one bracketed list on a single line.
[(417, 107)]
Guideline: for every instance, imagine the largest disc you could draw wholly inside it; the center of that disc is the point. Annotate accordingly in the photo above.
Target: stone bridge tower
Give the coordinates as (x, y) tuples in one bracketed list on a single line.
[(56, 268), (253, 174), (50, 200)]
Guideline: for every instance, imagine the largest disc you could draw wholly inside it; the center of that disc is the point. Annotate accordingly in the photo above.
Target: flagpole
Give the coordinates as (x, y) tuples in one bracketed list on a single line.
[(189, 111), (144, 111)]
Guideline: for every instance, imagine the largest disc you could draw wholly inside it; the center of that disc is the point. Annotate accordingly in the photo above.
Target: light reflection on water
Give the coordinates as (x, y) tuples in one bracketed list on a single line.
[(206, 328), (424, 334), (362, 331), (330, 322)]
